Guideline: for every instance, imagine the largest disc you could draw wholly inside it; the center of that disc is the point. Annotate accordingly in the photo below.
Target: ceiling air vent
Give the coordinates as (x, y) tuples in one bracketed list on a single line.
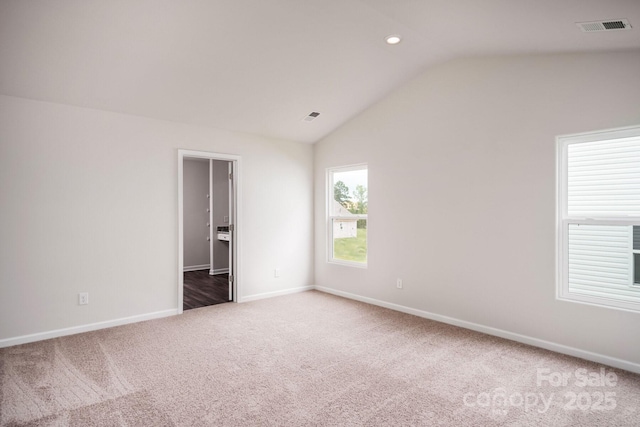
[(311, 117), (610, 25)]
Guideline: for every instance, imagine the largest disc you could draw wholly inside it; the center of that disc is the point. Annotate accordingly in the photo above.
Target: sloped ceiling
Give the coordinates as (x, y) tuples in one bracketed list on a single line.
[(260, 66)]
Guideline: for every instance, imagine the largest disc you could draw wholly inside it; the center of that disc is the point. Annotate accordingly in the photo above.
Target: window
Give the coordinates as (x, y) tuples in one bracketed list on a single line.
[(599, 218), (347, 207)]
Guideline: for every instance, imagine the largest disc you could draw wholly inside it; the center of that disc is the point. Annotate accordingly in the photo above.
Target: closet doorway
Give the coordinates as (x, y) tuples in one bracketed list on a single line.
[(208, 188)]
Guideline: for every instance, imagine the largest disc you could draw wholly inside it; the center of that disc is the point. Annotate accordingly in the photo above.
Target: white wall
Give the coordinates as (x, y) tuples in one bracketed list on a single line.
[(196, 216), (89, 204), (462, 192)]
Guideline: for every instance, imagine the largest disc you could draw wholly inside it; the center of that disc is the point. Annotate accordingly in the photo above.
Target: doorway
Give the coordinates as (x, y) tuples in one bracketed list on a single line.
[(208, 189)]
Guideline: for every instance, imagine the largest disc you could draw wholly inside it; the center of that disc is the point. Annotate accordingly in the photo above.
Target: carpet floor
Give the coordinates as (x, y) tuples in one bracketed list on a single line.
[(308, 359)]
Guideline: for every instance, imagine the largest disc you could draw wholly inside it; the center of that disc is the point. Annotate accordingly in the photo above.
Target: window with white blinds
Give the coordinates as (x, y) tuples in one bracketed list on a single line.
[(599, 218)]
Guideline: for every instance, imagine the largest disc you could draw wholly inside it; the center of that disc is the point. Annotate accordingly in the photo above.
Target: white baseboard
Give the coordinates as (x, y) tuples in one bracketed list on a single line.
[(275, 293), (558, 348), (8, 342), (196, 267), (218, 271)]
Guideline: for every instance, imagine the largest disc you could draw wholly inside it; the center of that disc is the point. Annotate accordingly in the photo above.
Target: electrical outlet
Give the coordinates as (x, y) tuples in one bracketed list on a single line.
[(399, 283), (225, 219), (276, 272), (83, 298)]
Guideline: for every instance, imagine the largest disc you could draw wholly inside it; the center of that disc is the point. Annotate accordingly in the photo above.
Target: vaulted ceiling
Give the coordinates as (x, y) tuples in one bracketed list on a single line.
[(261, 66)]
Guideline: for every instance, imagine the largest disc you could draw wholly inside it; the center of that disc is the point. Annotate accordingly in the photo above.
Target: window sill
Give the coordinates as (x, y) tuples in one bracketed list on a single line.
[(362, 265), (628, 306)]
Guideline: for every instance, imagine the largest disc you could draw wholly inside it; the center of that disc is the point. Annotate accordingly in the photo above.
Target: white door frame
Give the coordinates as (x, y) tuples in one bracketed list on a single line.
[(236, 219)]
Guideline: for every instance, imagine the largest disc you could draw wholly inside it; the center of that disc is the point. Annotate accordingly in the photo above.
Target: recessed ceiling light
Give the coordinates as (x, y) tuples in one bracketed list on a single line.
[(393, 39)]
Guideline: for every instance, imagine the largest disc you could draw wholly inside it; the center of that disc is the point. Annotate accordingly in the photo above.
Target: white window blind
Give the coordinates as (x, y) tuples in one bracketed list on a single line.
[(601, 261), (604, 178)]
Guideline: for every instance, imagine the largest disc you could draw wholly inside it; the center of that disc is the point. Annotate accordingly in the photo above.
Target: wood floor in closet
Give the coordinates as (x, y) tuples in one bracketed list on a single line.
[(202, 289)]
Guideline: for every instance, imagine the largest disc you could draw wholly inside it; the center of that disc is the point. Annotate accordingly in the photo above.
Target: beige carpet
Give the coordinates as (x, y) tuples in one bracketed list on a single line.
[(304, 359)]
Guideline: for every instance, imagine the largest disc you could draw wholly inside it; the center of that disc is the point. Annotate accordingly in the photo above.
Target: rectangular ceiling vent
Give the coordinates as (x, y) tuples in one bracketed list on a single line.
[(610, 25), (311, 117)]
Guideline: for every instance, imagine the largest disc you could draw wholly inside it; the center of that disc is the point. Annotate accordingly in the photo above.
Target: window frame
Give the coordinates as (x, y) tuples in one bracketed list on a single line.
[(563, 219), (632, 258), (331, 218)]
